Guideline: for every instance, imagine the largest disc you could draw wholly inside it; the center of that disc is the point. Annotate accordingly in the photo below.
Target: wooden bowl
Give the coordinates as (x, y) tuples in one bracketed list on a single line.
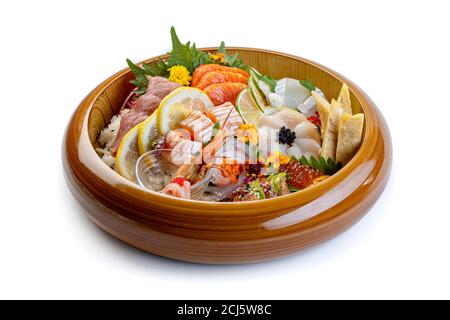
[(226, 233)]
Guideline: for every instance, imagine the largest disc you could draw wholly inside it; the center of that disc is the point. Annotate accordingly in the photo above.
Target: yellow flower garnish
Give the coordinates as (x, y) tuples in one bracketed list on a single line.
[(180, 74), (218, 57), (277, 159), (245, 126), (247, 133)]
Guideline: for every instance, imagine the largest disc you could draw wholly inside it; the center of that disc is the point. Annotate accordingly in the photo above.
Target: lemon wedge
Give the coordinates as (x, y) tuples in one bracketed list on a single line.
[(128, 154), (176, 106), (147, 133)]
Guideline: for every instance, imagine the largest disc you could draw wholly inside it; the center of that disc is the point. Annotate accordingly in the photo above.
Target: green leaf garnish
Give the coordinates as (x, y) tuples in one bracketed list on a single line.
[(189, 56), (186, 55), (140, 80), (271, 82), (182, 54), (308, 84), (231, 60), (222, 48), (327, 166), (155, 68)]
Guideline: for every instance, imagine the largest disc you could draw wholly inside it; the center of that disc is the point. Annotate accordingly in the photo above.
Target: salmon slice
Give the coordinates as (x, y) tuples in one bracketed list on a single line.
[(220, 114), (203, 69), (219, 77), (199, 125), (220, 93)]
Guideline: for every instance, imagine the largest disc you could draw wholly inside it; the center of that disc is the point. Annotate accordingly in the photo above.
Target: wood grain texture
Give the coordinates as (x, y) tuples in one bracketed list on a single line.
[(208, 232)]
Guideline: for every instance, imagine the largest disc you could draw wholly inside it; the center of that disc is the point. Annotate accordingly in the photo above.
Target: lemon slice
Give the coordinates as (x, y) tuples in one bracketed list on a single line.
[(147, 133), (128, 154), (247, 108), (176, 106)]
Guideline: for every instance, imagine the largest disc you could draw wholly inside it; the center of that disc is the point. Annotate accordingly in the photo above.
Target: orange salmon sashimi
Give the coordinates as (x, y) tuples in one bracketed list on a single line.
[(203, 69), (220, 93), (219, 77)]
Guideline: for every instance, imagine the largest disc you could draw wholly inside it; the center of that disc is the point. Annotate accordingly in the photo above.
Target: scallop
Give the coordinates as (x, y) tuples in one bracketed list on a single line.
[(309, 147), (307, 130), (294, 151), (290, 118), (271, 121), (284, 117)]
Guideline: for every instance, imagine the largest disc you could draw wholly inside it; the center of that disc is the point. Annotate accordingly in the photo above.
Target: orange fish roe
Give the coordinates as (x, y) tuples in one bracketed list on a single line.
[(299, 175)]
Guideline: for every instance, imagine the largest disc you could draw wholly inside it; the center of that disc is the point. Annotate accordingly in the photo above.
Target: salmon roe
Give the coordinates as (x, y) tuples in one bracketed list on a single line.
[(299, 175)]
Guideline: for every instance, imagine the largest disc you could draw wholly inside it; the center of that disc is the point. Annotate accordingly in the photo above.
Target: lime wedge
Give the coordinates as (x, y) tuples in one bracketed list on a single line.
[(256, 93), (246, 107)]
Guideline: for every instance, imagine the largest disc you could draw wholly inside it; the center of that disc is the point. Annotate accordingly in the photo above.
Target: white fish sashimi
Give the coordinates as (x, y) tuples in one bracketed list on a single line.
[(292, 92), (309, 107)]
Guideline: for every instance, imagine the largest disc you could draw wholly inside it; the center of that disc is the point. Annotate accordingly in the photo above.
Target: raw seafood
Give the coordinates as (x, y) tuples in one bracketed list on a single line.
[(143, 106), (226, 132), (224, 92), (219, 77), (203, 69)]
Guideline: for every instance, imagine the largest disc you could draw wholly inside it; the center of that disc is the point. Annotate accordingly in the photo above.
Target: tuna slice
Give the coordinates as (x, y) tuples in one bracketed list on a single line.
[(143, 106)]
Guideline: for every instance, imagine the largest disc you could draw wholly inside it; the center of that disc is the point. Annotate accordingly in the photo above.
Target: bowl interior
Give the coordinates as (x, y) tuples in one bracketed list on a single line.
[(277, 65)]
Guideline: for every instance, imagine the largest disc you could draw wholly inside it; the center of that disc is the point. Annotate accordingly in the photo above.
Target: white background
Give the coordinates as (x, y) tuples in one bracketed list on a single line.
[(53, 53)]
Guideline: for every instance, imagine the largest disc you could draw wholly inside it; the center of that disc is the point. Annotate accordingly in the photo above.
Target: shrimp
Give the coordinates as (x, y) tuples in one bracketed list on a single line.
[(225, 174), (192, 170), (179, 187)]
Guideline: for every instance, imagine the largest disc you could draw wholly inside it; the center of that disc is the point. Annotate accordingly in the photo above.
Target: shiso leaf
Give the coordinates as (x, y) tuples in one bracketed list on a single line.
[(186, 55), (327, 166), (308, 84)]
